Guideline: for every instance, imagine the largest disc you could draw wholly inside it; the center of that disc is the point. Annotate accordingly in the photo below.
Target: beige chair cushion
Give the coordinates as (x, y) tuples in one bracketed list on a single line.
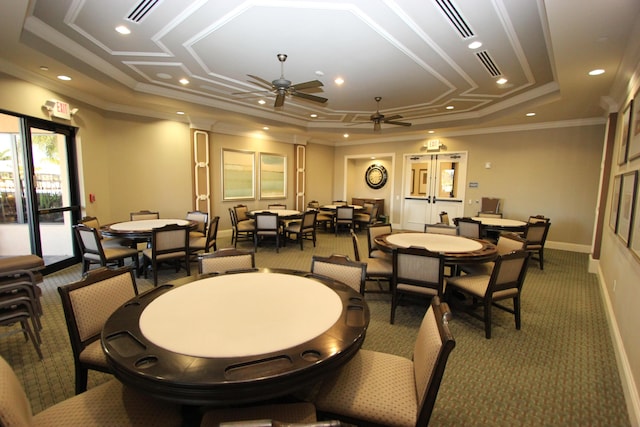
[(376, 387), (475, 285), (379, 267), (94, 355), (287, 413)]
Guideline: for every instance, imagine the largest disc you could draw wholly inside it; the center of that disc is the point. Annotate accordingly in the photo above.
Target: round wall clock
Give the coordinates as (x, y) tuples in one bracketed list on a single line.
[(376, 176)]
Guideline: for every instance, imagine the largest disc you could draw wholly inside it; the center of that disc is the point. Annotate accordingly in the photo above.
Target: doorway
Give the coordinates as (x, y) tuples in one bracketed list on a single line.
[(433, 183), (38, 190)]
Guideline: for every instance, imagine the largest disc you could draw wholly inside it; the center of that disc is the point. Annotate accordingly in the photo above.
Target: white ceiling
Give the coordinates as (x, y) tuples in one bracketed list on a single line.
[(406, 51)]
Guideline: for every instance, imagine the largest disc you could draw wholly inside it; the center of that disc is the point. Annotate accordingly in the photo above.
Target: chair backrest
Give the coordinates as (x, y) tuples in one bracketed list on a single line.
[(212, 233), (374, 231), (441, 229), (434, 343), (241, 212), (309, 220), (489, 215), (202, 218), (509, 242), (508, 272), (536, 232), (223, 260), (339, 202), (15, 408), (314, 204), (344, 213), (172, 238), (142, 215), (490, 204), (232, 216), (88, 303), (444, 218), (418, 267), (356, 250), (89, 241), (537, 218), (277, 206), (342, 269), (266, 223), (367, 207), (468, 227)]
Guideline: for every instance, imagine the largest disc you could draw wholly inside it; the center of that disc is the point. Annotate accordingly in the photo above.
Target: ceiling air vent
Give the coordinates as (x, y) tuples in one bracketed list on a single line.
[(486, 60), (141, 10), (455, 18)]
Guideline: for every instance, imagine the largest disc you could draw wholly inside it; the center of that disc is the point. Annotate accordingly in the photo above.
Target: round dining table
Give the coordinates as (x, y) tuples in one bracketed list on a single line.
[(501, 224), (235, 338), (455, 249), (142, 229), (282, 213)]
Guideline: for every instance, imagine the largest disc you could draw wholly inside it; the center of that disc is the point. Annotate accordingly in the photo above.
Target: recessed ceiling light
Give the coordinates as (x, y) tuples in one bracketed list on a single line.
[(596, 72), (44, 68), (432, 131), (262, 102), (530, 114), (339, 81), (164, 76), (180, 113), (346, 135), (123, 30), (313, 116), (501, 81), (449, 107), (184, 81), (319, 73), (65, 78), (265, 127), (474, 45)]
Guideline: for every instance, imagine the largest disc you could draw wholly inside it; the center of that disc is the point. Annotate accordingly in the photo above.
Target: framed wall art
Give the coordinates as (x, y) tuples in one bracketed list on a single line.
[(615, 203), (634, 130), (634, 240), (238, 175), (623, 133), (273, 176), (627, 203)]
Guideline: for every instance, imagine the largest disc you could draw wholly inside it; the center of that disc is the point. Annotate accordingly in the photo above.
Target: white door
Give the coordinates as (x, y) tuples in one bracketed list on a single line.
[(433, 183)]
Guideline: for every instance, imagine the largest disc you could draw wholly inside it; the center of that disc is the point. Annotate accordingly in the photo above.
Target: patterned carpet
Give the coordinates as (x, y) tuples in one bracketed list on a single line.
[(559, 369)]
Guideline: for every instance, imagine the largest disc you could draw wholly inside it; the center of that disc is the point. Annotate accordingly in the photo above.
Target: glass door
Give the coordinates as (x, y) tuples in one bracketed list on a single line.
[(433, 183), (38, 189)]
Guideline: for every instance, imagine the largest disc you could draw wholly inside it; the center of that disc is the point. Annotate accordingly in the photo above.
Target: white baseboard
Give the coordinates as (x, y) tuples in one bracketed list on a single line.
[(571, 247), (624, 369)]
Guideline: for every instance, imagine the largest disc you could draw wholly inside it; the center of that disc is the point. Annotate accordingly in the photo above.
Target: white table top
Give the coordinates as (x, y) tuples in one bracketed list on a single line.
[(435, 242), (334, 207), (242, 314), (280, 212), (146, 224), (499, 222)]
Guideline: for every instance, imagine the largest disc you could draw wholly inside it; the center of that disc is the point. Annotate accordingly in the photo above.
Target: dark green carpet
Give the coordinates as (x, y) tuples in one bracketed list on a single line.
[(558, 370)]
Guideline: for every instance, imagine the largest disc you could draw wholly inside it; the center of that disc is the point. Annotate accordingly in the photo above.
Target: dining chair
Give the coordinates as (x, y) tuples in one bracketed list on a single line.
[(87, 303), (444, 218), (489, 214), (21, 310), (277, 206), (383, 389), (207, 242), (267, 227), (490, 204), (94, 252), (144, 214), (441, 229), (22, 282), (92, 222), (242, 212), (504, 282), (468, 227), (374, 231), (507, 243), (342, 269), (241, 229), (304, 229), (324, 219), (379, 269), (537, 218), (202, 220), (168, 243), (225, 260), (297, 414), (535, 236), (364, 217), (109, 404), (418, 272), (344, 217)]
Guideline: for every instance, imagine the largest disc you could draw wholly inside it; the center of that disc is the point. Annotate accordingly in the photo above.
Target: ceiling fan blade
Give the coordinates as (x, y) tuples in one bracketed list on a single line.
[(397, 116), (307, 85), (313, 98), (253, 93), (263, 82), (376, 126), (279, 100), (397, 123)]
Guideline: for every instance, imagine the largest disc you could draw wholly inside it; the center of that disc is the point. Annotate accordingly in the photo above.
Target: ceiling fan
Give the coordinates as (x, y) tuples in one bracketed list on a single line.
[(283, 87), (377, 118)]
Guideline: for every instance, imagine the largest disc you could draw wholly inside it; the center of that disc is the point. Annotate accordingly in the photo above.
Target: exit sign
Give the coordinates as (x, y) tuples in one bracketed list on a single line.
[(61, 110)]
